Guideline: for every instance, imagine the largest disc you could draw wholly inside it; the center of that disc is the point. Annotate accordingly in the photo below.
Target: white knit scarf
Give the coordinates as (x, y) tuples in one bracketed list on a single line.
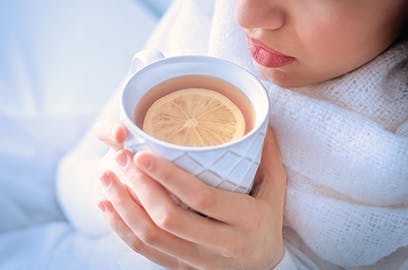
[(344, 142)]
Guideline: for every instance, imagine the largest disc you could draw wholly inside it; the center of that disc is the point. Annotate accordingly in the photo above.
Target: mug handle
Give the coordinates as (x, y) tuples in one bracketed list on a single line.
[(140, 60), (144, 58)]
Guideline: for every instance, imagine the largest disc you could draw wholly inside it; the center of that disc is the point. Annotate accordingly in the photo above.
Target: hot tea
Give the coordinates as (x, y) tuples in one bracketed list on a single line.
[(195, 110)]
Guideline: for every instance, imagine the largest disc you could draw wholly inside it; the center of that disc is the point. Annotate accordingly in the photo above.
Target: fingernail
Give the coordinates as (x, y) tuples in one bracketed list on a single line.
[(122, 159), (144, 163), (116, 134), (106, 181)]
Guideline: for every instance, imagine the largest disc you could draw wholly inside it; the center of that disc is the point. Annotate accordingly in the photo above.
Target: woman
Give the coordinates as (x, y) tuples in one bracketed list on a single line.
[(337, 81)]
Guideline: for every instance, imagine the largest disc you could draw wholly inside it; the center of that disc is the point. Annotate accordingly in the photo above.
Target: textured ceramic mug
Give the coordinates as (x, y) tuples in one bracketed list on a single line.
[(230, 166)]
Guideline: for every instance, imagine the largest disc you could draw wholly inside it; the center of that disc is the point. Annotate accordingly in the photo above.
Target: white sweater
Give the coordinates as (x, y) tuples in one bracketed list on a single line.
[(344, 145)]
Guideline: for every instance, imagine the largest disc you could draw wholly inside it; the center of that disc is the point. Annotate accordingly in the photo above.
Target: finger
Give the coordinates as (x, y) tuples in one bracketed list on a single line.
[(129, 237), (110, 132), (270, 181), (141, 224), (216, 203), (183, 223)]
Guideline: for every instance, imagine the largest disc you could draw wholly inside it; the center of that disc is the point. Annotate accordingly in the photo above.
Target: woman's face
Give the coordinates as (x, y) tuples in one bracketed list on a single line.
[(300, 42)]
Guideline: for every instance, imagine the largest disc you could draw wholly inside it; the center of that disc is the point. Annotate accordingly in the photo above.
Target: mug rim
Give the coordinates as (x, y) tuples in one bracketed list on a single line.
[(191, 58)]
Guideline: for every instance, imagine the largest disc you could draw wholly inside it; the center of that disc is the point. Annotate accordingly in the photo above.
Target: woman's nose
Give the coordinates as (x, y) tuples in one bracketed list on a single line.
[(260, 14)]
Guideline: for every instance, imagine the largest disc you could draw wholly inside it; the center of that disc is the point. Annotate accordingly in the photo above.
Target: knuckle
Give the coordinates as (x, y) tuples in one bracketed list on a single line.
[(136, 176), (166, 175), (137, 246), (166, 218), (203, 200), (150, 237), (115, 223), (234, 251), (119, 203)]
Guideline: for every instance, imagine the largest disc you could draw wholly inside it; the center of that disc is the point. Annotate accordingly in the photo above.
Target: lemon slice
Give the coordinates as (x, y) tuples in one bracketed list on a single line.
[(194, 117)]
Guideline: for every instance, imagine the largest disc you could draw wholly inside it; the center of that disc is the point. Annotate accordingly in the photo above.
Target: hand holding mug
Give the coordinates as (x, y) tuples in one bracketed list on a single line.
[(226, 230), (238, 231)]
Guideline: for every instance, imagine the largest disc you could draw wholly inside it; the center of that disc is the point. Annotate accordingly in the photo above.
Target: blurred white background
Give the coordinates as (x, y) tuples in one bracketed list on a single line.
[(60, 60), (53, 52), (59, 63)]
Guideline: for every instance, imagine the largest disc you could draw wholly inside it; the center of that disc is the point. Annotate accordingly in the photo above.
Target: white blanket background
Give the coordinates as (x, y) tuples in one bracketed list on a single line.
[(59, 63)]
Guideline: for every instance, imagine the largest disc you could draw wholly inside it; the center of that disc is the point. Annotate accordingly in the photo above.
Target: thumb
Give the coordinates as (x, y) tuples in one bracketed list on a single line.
[(270, 180)]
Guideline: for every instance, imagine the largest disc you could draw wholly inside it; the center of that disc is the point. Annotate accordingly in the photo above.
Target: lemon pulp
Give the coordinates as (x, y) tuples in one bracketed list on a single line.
[(194, 117)]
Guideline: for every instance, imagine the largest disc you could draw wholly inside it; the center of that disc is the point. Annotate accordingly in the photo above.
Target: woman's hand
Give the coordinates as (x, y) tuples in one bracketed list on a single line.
[(112, 133), (227, 230)]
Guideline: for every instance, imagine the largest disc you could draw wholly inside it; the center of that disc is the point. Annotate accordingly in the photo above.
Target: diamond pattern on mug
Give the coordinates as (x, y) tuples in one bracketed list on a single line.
[(230, 168), (170, 154), (225, 163), (210, 178), (136, 143), (207, 159), (247, 179), (227, 185), (189, 164), (240, 170), (255, 144)]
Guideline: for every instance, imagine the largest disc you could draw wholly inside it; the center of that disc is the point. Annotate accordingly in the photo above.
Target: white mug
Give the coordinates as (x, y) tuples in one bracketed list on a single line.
[(230, 166)]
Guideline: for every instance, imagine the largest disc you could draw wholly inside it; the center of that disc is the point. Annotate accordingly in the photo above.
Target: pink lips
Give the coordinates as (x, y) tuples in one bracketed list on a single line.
[(266, 56)]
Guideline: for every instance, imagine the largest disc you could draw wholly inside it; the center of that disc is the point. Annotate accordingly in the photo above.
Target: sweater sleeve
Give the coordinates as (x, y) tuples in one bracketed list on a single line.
[(77, 182)]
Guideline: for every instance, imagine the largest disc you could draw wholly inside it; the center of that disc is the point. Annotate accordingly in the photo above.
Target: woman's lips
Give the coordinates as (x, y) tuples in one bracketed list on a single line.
[(266, 56)]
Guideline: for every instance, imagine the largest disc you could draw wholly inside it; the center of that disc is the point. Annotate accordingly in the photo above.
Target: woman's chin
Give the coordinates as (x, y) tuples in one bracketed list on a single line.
[(276, 76), (285, 78)]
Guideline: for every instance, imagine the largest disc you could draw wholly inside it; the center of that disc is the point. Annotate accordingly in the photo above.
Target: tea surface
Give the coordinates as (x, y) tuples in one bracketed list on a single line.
[(195, 110)]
